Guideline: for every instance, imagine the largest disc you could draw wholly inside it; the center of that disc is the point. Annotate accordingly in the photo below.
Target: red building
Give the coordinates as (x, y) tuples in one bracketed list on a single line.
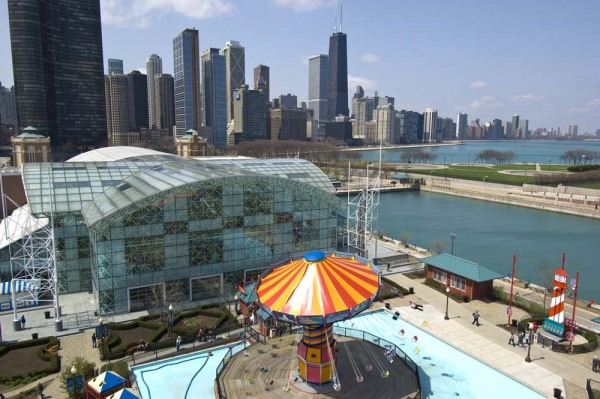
[(460, 275)]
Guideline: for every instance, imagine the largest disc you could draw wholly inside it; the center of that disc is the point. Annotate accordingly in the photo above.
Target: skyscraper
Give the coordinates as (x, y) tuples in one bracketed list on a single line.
[(430, 125), (289, 101), (165, 103), (461, 125), (138, 100), (58, 72), (235, 71), (338, 76), (8, 108), (250, 115), (318, 89), (515, 125), (214, 99), (115, 66), (117, 106), (186, 57), (153, 68), (261, 80), (384, 116)]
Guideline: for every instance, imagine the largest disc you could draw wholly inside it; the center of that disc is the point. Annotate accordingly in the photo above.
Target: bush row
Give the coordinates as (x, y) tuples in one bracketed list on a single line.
[(53, 360), (390, 295), (442, 288)]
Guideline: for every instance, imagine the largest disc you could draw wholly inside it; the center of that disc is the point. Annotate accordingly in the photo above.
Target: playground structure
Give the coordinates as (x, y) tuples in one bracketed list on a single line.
[(314, 292)]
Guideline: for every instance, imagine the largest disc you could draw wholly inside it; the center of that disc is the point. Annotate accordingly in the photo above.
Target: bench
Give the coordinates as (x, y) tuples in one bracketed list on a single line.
[(52, 347)]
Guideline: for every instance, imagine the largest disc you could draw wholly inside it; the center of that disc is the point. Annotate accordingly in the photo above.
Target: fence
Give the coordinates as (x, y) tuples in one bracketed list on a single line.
[(382, 343), (593, 389)]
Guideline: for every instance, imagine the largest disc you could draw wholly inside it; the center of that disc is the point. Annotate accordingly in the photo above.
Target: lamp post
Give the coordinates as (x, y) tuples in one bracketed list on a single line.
[(583, 158), (431, 181), (447, 296), (74, 373), (170, 321), (528, 358), (452, 238), (483, 183)]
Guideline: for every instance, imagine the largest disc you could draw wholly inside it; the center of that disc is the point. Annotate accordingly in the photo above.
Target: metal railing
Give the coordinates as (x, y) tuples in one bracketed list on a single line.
[(382, 343), (593, 389)]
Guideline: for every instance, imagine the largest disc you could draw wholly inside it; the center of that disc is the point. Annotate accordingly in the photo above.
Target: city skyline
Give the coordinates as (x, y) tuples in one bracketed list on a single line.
[(472, 59)]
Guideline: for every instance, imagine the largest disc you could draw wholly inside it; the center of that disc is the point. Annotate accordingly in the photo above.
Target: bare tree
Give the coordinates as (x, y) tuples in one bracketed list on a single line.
[(544, 273), (439, 247)]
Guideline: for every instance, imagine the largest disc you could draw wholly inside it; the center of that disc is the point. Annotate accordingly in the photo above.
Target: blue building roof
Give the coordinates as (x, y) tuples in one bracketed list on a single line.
[(248, 295), (461, 267), (106, 381)]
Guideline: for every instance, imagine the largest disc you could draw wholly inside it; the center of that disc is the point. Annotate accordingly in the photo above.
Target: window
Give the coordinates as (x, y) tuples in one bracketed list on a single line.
[(206, 287), (440, 276), (142, 298), (458, 283)]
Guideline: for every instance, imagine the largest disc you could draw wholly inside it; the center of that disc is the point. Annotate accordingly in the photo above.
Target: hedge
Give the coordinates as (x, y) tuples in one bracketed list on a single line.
[(52, 358), (391, 295)]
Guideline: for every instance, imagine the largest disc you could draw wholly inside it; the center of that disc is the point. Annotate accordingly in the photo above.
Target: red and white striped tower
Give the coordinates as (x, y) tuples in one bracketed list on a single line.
[(557, 306)]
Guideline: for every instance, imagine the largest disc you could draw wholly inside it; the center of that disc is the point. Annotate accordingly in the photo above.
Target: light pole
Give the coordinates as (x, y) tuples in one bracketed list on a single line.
[(74, 373), (528, 358), (483, 183), (170, 319), (447, 297), (431, 181), (452, 238), (583, 158), (557, 192)]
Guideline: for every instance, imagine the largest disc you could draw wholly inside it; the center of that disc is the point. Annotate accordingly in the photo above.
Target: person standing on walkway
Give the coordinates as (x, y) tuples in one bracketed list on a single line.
[(40, 390), (476, 318), (511, 340), (595, 364), (23, 322), (521, 336), (94, 341), (178, 343)]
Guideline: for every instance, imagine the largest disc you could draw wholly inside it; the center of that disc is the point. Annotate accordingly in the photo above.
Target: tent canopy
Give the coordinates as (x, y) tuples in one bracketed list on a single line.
[(105, 382)]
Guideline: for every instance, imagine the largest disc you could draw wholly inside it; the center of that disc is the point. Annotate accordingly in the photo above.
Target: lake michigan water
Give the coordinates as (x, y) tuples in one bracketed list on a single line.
[(490, 233)]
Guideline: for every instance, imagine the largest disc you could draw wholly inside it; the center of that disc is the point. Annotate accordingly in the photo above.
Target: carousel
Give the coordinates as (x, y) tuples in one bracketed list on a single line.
[(314, 292)]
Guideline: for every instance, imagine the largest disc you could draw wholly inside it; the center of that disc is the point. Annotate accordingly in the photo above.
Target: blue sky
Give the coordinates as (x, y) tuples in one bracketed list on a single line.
[(491, 59)]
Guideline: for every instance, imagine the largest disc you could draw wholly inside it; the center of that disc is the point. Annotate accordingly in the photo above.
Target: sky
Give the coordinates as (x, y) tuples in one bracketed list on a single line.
[(488, 58)]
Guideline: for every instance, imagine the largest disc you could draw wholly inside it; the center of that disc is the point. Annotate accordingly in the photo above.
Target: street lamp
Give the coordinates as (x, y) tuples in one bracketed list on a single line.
[(431, 181), (447, 296), (528, 358), (74, 373), (452, 238), (583, 158), (170, 321), (483, 183)]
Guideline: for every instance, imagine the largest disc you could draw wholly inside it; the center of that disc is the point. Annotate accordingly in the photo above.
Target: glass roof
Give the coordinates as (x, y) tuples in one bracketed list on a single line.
[(113, 185)]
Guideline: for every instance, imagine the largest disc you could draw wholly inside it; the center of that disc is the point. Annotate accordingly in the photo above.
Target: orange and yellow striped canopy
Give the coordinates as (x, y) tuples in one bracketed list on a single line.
[(319, 285)]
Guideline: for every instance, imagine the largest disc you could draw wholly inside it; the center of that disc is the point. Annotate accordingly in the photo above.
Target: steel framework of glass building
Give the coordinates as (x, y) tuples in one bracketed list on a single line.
[(139, 228)]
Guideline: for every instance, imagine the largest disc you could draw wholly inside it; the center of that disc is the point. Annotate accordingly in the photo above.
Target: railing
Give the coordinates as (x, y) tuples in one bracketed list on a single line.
[(382, 343), (593, 389), (255, 335), (220, 392)]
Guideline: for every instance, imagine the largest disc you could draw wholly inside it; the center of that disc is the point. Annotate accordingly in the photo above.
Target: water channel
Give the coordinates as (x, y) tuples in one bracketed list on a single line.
[(490, 233)]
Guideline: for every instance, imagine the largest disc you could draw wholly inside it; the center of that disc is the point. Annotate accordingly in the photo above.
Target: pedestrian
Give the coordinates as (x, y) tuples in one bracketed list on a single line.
[(476, 318), (511, 340), (2, 396), (23, 322), (40, 390), (94, 341), (520, 341), (178, 343), (595, 364)]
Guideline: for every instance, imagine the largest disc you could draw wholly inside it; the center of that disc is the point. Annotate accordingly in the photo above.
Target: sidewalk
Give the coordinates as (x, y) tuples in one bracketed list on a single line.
[(489, 343)]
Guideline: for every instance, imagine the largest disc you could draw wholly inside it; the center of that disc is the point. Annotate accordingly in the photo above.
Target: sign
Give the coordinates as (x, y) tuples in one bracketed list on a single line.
[(509, 311)]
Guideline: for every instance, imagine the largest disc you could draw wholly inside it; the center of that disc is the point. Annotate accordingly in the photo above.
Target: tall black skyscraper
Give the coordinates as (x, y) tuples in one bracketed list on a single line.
[(337, 101), (58, 72), (138, 100)]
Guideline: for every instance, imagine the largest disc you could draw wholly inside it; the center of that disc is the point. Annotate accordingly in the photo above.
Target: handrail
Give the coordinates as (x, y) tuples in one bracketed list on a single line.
[(382, 343)]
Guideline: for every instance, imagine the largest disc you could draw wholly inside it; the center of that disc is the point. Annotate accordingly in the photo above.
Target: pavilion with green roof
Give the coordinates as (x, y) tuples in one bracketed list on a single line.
[(462, 276)]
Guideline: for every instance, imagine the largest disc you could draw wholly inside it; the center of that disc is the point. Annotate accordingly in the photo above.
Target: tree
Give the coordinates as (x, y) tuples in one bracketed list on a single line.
[(439, 247), (544, 273), (83, 367)]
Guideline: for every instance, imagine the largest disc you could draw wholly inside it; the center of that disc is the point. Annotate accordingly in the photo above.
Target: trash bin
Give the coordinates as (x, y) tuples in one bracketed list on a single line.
[(557, 393), (514, 322), (411, 290), (387, 305), (34, 335), (47, 314)]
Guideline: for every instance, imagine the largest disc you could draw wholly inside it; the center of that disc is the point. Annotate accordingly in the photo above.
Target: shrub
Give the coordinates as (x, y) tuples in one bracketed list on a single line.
[(119, 367), (53, 360)]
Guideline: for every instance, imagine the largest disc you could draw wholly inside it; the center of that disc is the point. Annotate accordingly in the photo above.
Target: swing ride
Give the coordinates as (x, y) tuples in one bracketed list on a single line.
[(315, 291)]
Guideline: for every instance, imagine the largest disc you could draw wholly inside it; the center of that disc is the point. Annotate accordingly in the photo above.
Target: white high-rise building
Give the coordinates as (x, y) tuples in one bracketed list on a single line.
[(384, 116), (461, 125), (430, 125), (235, 71), (153, 68), (116, 90)]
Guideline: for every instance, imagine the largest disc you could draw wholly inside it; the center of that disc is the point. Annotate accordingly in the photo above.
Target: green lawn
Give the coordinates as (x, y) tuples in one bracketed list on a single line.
[(491, 173)]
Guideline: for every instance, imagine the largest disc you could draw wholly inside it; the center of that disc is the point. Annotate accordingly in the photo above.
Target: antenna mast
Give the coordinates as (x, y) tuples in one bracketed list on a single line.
[(341, 15)]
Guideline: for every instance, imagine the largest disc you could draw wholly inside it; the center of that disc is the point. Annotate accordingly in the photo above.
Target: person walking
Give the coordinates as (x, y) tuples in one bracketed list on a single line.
[(40, 390), (94, 340), (476, 318), (595, 364), (178, 343), (511, 340), (23, 322)]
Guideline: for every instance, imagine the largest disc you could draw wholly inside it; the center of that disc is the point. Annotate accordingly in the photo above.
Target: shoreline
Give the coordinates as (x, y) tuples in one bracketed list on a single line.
[(400, 147)]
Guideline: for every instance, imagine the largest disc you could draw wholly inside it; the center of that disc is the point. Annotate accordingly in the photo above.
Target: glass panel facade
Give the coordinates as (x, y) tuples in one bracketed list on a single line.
[(207, 232)]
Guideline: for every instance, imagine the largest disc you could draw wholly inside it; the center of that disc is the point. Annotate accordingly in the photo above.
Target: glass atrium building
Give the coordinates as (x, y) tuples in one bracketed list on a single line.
[(138, 227)]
